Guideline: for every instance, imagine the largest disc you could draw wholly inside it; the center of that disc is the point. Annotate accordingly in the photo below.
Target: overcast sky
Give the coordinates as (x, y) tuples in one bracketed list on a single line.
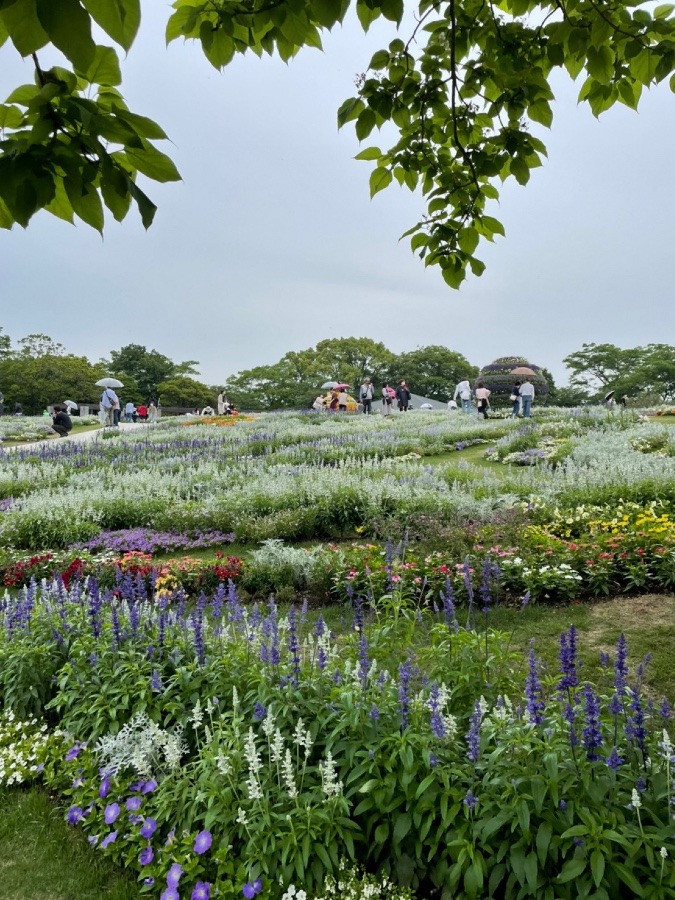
[(271, 242)]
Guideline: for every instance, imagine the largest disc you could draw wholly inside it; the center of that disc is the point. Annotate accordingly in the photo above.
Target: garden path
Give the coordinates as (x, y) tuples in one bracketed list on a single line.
[(80, 436)]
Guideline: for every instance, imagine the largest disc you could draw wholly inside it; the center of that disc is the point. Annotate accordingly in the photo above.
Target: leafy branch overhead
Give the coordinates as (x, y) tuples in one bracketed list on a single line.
[(458, 90)]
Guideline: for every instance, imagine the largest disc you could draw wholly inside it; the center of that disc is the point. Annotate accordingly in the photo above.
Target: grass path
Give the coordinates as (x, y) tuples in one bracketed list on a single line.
[(43, 858)]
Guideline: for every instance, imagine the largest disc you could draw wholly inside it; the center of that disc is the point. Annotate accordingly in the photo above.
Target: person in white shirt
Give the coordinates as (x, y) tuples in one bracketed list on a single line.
[(526, 397), (108, 401), (463, 390), (482, 402)]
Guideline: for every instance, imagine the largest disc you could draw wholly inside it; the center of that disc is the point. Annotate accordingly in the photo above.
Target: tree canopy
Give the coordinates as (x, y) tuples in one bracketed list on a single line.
[(148, 368), (636, 371), (460, 87), (296, 379)]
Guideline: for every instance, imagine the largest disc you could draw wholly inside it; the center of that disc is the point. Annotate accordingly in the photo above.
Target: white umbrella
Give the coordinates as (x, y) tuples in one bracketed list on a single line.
[(329, 385), (109, 382), (426, 406), (70, 404)]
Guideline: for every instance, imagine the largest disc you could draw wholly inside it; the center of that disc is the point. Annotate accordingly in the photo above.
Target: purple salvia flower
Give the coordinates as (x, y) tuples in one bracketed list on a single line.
[(473, 734), (294, 646), (665, 710), (468, 586), (525, 600), (591, 736), (604, 660), (259, 712), (490, 573), (374, 713), (614, 761), (533, 690), (568, 660), (470, 800), (156, 682), (404, 679), (635, 726), (621, 666), (319, 627)]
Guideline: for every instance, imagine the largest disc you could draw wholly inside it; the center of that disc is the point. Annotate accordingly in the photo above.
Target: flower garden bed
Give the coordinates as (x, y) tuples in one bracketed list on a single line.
[(215, 745)]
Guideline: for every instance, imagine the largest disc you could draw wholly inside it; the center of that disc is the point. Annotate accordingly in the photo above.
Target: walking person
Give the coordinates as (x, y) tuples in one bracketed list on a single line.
[(129, 412), (367, 393), (515, 400), (108, 400), (342, 400), (482, 399), (403, 396), (221, 400), (463, 391), (526, 397)]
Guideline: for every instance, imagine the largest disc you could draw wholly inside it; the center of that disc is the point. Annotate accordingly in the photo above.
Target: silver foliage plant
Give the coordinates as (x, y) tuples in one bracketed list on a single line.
[(143, 746)]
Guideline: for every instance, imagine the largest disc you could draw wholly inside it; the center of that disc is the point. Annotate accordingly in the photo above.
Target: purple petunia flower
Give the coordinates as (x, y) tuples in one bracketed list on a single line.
[(74, 752), (169, 894), (202, 891), (251, 888), (133, 804), (148, 828), (149, 786), (111, 813), (173, 876), (107, 841), (149, 881), (104, 790), (146, 856), (74, 815), (203, 842)]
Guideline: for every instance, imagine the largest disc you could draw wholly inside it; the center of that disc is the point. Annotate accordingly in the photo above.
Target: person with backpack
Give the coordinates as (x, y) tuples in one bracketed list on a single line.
[(403, 396), (366, 396)]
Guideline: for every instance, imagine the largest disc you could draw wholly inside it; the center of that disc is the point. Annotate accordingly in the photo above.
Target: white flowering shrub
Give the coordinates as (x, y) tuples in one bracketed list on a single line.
[(142, 746), (23, 748)]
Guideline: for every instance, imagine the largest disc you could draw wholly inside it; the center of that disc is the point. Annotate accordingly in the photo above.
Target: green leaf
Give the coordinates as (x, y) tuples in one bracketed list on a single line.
[(61, 207), (543, 840), (597, 866), (572, 869), (152, 163), (69, 28), (379, 180), (23, 26), (380, 60), (370, 153), (327, 12), (402, 827), (118, 18), (628, 878), (392, 10), (643, 66), (369, 786), (349, 110), (218, 46), (540, 111), (366, 14), (10, 117), (381, 833), (105, 68), (365, 123), (663, 10), (141, 125), (520, 169), (531, 870), (85, 201), (600, 63), (672, 83)]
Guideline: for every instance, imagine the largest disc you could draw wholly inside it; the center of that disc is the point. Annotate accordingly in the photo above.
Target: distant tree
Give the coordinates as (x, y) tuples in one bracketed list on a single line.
[(183, 391), (148, 368), (36, 381), (647, 372), (5, 344), (569, 396), (34, 345), (293, 382), (432, 371)]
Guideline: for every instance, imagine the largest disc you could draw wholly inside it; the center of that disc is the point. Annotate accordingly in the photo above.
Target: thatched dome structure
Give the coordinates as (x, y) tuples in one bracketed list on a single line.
[(497, 377)]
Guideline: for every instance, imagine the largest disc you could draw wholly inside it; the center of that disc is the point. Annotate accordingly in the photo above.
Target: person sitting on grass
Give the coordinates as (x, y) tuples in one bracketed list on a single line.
[(61, 422)]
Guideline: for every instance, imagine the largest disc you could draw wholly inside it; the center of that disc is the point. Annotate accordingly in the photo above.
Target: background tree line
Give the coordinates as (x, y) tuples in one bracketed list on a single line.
[(38, 371)]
